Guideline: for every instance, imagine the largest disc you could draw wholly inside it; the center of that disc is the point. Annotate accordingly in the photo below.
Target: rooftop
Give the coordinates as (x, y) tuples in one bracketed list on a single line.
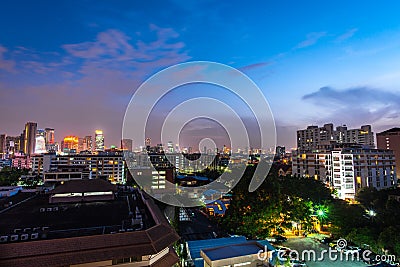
[(67, 234), (61, 220), (393, 130), (232, 251), (83, 186)]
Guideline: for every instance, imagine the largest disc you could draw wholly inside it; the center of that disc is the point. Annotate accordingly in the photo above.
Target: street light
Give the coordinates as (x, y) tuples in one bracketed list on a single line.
[(371, 213)]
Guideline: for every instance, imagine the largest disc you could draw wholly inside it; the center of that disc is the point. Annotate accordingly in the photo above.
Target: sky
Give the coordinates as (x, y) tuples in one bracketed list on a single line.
[(74, 65)]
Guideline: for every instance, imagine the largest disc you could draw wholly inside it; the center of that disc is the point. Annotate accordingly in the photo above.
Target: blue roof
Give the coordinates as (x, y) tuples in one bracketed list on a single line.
[(199, 178), (197, 245), (225, 252), (266, 243)]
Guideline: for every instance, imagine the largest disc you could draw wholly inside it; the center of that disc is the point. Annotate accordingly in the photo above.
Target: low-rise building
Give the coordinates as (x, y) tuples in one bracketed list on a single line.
[(108, 166), (124, 228)]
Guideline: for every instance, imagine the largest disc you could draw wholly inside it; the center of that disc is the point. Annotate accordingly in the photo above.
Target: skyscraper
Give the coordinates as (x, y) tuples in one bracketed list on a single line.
[(30, 138), (49, 136), (127, 144), (70, 143), (99, 139), (40, 145), (3, 150), (87, 143)]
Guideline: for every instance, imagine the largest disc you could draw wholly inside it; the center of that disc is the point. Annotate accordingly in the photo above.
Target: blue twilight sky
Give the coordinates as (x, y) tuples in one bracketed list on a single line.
[(73, 65)]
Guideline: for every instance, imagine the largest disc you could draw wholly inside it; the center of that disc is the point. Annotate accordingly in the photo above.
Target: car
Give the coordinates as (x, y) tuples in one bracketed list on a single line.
[(279, 238), (383, 264), (333, 243), (371, 259), (298, 263), (351, 249), (326, 240), (271, 239)]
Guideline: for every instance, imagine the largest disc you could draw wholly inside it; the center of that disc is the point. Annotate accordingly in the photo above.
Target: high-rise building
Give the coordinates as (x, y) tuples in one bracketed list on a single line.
[(30, 138), (348, 169), (99, 140), (49, 136), (170, 146), (3, 149), (70, 143), (280, 152), (148, 141), (390, 139), (316, 138), (127, 145), (40, 143), (87, 143), (14, 144)]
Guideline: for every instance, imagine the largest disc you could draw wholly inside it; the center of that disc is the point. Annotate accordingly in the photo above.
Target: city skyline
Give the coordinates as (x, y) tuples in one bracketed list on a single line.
[(319, 63)]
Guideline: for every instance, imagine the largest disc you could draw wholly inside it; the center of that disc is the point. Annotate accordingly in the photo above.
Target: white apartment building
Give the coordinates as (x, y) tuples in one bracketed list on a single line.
[(348, 169), (316, 138)]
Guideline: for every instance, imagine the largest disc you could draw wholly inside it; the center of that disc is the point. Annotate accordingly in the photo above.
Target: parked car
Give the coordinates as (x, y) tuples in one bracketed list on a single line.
[(326, 240), (298, 263), (333, 243), (371, 259), (383, 264), (280, 238), (351, 249)]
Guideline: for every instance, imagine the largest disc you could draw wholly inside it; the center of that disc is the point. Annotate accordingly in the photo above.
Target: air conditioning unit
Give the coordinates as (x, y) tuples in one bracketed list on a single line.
[(24, 237), (14, 238), (17, 230), (49, 209), (35, 236), (55, 209), (3, 238)]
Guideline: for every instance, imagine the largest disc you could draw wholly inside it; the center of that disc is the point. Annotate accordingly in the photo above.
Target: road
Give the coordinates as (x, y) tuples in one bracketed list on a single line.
[(300, 244)]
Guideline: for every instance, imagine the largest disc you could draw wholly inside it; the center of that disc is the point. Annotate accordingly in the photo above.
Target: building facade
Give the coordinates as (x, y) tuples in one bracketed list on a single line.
[(99, 140), (57, 168), (390, 139), (348, 169), (316, 138), (30, 138)]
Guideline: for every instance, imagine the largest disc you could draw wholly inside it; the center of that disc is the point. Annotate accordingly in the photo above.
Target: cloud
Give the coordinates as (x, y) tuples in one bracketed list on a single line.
[(101, 74), (356, 105), (346, 35), (7, 65), (312, 38), (117, 46), (255, 66)]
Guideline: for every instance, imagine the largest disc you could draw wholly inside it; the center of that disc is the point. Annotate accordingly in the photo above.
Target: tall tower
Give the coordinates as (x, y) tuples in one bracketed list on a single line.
[(99, 140), (3, 150), (30, 138), (49, 136), (87, 143)]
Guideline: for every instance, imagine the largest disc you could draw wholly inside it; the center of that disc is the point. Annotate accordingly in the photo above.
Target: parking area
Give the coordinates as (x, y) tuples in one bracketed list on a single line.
[(301, 244)]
